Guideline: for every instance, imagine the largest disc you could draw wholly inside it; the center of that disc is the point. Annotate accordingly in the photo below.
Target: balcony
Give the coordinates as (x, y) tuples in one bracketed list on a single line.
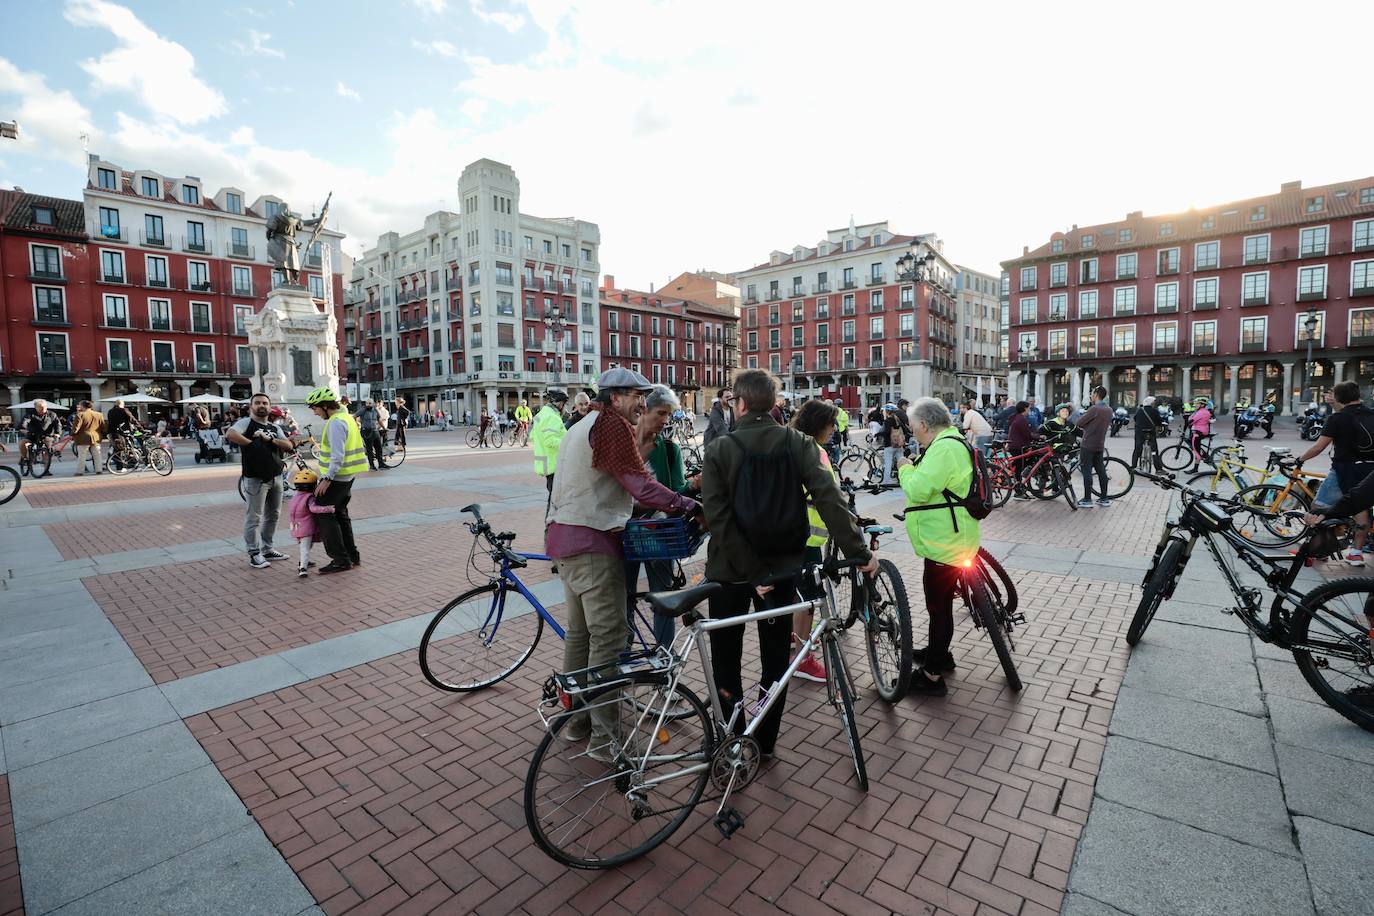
[(1124, 350), (751, 297), (1059, 316), (415, 352), (236, 250), (774, 295), (1204, 349), (193, 245), (846, 338), (820, 287), (1165, 349), (112, 278), (54, 367), (1256, 259), (849, 284), (109, 233), (1255, 346), (152, 241), (1027, 286), (1313, 295), (51, 320), (312, 261), (243, 291), (877, 279), (1058, 282), (1204, 304), (1361, 340), (1255, 300), (1365, 244), (204, 287), (1125, 275), (1362, 291), (1211, 264)]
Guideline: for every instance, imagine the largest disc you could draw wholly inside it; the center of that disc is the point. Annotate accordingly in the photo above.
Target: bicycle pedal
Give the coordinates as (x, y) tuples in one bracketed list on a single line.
[(728, 821)]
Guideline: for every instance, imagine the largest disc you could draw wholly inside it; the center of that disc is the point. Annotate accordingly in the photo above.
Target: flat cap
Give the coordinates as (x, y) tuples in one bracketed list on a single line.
[(623, 378)]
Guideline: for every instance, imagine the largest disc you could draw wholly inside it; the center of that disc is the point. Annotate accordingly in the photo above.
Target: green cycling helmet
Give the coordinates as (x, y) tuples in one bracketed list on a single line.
[(1065, 406), (321, 395)]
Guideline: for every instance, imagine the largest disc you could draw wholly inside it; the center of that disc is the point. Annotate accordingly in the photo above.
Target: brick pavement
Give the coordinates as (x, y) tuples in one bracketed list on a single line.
[(386, 796), (142, 485), (11, 894)]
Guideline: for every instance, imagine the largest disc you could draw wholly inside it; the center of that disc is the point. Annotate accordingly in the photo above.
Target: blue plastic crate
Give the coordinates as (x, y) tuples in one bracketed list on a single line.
[(661, 538)]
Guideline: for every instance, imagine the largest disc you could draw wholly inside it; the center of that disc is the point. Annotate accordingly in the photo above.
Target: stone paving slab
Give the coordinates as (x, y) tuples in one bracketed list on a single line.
[(45, 737), (1197, 677), (1338, 863), (63, 691), (1332, 789), (1308, 725), (199, 692), (1196, 728)]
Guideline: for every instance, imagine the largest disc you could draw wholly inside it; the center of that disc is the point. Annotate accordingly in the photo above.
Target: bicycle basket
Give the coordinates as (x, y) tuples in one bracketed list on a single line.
[(661, 538)]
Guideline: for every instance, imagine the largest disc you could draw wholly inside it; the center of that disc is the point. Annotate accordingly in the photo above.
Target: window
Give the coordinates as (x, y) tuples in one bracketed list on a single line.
[(1255, 289), (1314, 204), (1205, 293), (798, 336), (316, 284), (1087, 341), (157, 271), (195, 236), (823, 307), (1361, 326), (233, 203), (1087, 270), (548, 246), (1166, 297), (1312, 282), (1125, 266), (238, 242), (822, 334), (1168, 261), (1123, 340), (109, 223), (1364, 235), (112, 266), (1312, 241), (1318, 332), (1028, 278), (116, 312), (875, 329), (567, 250), (205, 358), (847, 331), (1253, 334), (1028, 310), (1366, 196), (1125, 235), (1087, 303), (1059, 274), (774, 339), (1361, 278), (1206, 255), (613, 321), (1085, 242), (150, 187), (44, 216), (117, 351), (52, 353), (198, 276), (875, 301), (1057, 246), (200, 317), (1256, 249), (164, 356), (847, 304), (49, 305), (243, 280), (241, 315), (1123, 300), (46, 262), (1059, 307), (1059, 344), (1257, 213), (159, 314), (753, 340), (1204, 337), (106, 180), (152, 230), (1166, 229), (849, 278), (906, 297), (190, 194), (1166, 337)]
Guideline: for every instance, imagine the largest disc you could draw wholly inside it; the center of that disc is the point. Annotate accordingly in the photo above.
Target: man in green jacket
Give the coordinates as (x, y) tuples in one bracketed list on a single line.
[(946, 537), (546, 434), (732, 559)]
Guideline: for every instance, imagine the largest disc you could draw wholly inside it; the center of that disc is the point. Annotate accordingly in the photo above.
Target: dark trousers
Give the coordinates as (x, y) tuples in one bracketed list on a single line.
[(1141, 437), (775, 650), (660, 575), (336, 528), (372, 443), (1090, 461), (941, 583)]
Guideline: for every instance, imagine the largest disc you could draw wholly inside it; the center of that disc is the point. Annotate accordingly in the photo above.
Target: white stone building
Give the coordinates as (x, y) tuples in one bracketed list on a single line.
[(980, 330)]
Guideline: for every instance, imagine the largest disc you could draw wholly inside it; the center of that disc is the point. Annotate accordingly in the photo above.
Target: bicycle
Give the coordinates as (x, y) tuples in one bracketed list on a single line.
[(133, 453), (1120, 475), (1230, 476), (586, 813), (10, 483), (493, 437), (1330, 630), (1042, 474), (471, 642), (36, 460), (518, 436), (1281, 508), (861, 463), (1180, 456)]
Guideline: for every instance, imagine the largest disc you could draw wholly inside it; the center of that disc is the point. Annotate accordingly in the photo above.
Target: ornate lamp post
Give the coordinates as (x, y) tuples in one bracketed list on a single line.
[(1029, 355), (556, 325), (914, 267), (1310, 322)]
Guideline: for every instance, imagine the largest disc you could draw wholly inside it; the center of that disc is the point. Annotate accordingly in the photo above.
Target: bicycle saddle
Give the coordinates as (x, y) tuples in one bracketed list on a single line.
[(877, 529), (1278, 451), (675, 604)]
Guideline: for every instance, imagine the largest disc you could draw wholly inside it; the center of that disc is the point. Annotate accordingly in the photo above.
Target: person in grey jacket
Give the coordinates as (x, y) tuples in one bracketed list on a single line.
[(718, 421), (368, 422), (1094, 422)]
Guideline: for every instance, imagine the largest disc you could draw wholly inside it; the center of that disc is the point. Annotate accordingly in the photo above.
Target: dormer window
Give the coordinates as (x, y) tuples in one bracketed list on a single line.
[(43, 216), (1166, 230), (1257, 213), (1125, 235), (106, 179), (273, 208), (1208, 222), (1057, 246), (190, 194), (848, 244), (148, 187), (233, 203), (1085, 242), (1315, 204)]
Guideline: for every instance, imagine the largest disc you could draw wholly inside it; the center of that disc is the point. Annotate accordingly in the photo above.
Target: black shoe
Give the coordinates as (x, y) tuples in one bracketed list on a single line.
[(357, 561), (333, 567), (945, 666), (924, 686), (270, 554)]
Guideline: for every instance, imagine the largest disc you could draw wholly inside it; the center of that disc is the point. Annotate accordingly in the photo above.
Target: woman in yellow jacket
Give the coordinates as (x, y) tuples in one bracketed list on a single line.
[(816, 419)]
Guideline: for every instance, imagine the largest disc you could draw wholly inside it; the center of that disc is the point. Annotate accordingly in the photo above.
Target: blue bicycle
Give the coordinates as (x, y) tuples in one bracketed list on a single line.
[(485, 634)]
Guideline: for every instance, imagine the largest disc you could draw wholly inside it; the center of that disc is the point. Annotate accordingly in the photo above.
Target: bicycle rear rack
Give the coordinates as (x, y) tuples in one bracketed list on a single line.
[(564, 691)]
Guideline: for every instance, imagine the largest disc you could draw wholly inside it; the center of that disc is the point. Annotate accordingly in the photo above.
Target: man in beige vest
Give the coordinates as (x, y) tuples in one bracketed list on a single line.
[(601, 475)]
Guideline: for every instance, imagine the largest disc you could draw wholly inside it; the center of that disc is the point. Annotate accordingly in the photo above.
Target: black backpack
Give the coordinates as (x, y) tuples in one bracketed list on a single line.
[(977, 502), (769, 501)]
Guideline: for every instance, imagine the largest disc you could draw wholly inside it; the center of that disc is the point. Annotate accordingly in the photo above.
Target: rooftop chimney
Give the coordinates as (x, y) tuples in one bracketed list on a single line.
[(1135, 214), (608, 281), (1290, 186), (1025, 250)]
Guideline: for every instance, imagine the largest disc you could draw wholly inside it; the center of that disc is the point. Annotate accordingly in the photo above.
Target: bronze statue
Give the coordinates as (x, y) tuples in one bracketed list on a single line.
[(282, 249)]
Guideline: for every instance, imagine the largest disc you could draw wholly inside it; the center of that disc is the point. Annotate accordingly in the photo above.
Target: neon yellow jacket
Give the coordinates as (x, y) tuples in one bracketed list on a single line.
[(942, 466), (819, 533), (545, 436), (522, 413), (842, 420)]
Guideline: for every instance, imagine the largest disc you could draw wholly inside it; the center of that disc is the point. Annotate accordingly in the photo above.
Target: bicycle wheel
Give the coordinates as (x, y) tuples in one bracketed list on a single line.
[(312, 451), (480, 638), (1003, 485), (854, 465), (1000, 584), (888, 630), (1271, 514), (496, 439), (121, 463), (1065, 481), (160, 460), (9, 483), (24, 469), (1045, 483), (1222, 485), (844, 704), (1120, 478), (40, 461), (1330, 632), (995, 626), (1157, 586), (588, 814), (397, 455), (243, 494), (1176, 458), (473, 439)]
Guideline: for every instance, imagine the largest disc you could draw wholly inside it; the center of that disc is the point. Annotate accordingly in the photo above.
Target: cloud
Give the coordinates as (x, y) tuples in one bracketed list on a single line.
[(431, 6), (347, 93), (51, 121), (438, 47), (160, 72), (257, 46), (511, 22)]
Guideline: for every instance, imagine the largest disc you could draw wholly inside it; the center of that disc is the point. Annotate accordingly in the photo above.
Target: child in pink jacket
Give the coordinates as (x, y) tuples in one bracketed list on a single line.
[(303, 511)]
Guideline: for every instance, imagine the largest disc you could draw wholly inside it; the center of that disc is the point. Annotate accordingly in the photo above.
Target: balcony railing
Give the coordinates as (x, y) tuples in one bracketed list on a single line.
[(1255, 346), (1362, 291), (109, 233), (849, 284), (1255, 300), (797, 292), (47, 276), (235, 250), (152, 241), (820, 287), (1257, 259), (774, 295), (204, 287), (1204, 304), (195, 245), (1204, 349), (415, 352), (1313, 295), (1058, 282)]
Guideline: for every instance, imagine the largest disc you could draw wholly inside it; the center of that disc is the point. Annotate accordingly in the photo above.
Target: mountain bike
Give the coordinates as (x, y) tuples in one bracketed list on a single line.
[(1040, 472), (590, 805), (36, 461), (1330, 630), (136, 451)]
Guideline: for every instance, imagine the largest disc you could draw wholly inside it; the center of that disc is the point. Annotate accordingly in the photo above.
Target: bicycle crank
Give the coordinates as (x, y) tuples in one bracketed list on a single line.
[(735, 764)]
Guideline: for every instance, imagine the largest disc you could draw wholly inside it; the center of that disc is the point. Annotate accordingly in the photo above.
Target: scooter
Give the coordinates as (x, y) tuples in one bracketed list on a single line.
[(1119, 420)]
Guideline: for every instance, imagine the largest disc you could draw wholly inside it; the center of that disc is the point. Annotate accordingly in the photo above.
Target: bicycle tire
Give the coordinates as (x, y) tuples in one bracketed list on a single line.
[(992, 623), (1045, 483), (10, 483), (433, 650), (1176, 458), (25, 470), (893, 619), (1354, 635), (1007, 595), (553, 743), (1278, 525), (160, 460), (1157, 584), (1124, 472), (854, 466), (1003, 485), (496, 441), (1223, 486), (1066, 490), (313, 451), (243, 494), (397, 457), (40, 461), (839, 676), (473, 438)]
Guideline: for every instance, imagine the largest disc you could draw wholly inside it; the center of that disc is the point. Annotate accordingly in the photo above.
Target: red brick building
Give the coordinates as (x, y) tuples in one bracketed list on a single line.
[(144, 283), (1213, 301), (665, 339)]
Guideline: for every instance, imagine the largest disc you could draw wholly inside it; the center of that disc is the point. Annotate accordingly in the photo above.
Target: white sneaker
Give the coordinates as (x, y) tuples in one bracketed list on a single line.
[(1354, 558), (256, 561)]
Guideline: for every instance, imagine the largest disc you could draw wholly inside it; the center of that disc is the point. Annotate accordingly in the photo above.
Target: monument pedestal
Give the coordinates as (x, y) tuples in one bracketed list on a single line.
[(296, 348)]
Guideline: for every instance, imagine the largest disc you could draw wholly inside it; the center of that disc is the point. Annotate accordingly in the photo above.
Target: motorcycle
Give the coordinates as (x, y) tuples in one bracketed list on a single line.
[(1247, 418), (1119, 420), (1311, 424)]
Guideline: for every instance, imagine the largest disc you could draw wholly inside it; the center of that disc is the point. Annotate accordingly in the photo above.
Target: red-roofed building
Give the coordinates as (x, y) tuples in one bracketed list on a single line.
[(837, 317), (1209, 302), (659, 337)]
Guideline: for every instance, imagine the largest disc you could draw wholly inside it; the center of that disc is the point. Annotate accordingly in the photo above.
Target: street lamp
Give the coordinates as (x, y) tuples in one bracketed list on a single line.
[(914, 267), (1028, 355), (557, 325), (1310, 322)]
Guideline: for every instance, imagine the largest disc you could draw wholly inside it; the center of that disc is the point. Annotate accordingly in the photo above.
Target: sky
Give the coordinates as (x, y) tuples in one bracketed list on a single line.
[(701, 134)]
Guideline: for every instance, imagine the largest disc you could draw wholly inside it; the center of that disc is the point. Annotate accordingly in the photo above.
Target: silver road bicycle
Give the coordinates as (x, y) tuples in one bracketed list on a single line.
[(598, 803)]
